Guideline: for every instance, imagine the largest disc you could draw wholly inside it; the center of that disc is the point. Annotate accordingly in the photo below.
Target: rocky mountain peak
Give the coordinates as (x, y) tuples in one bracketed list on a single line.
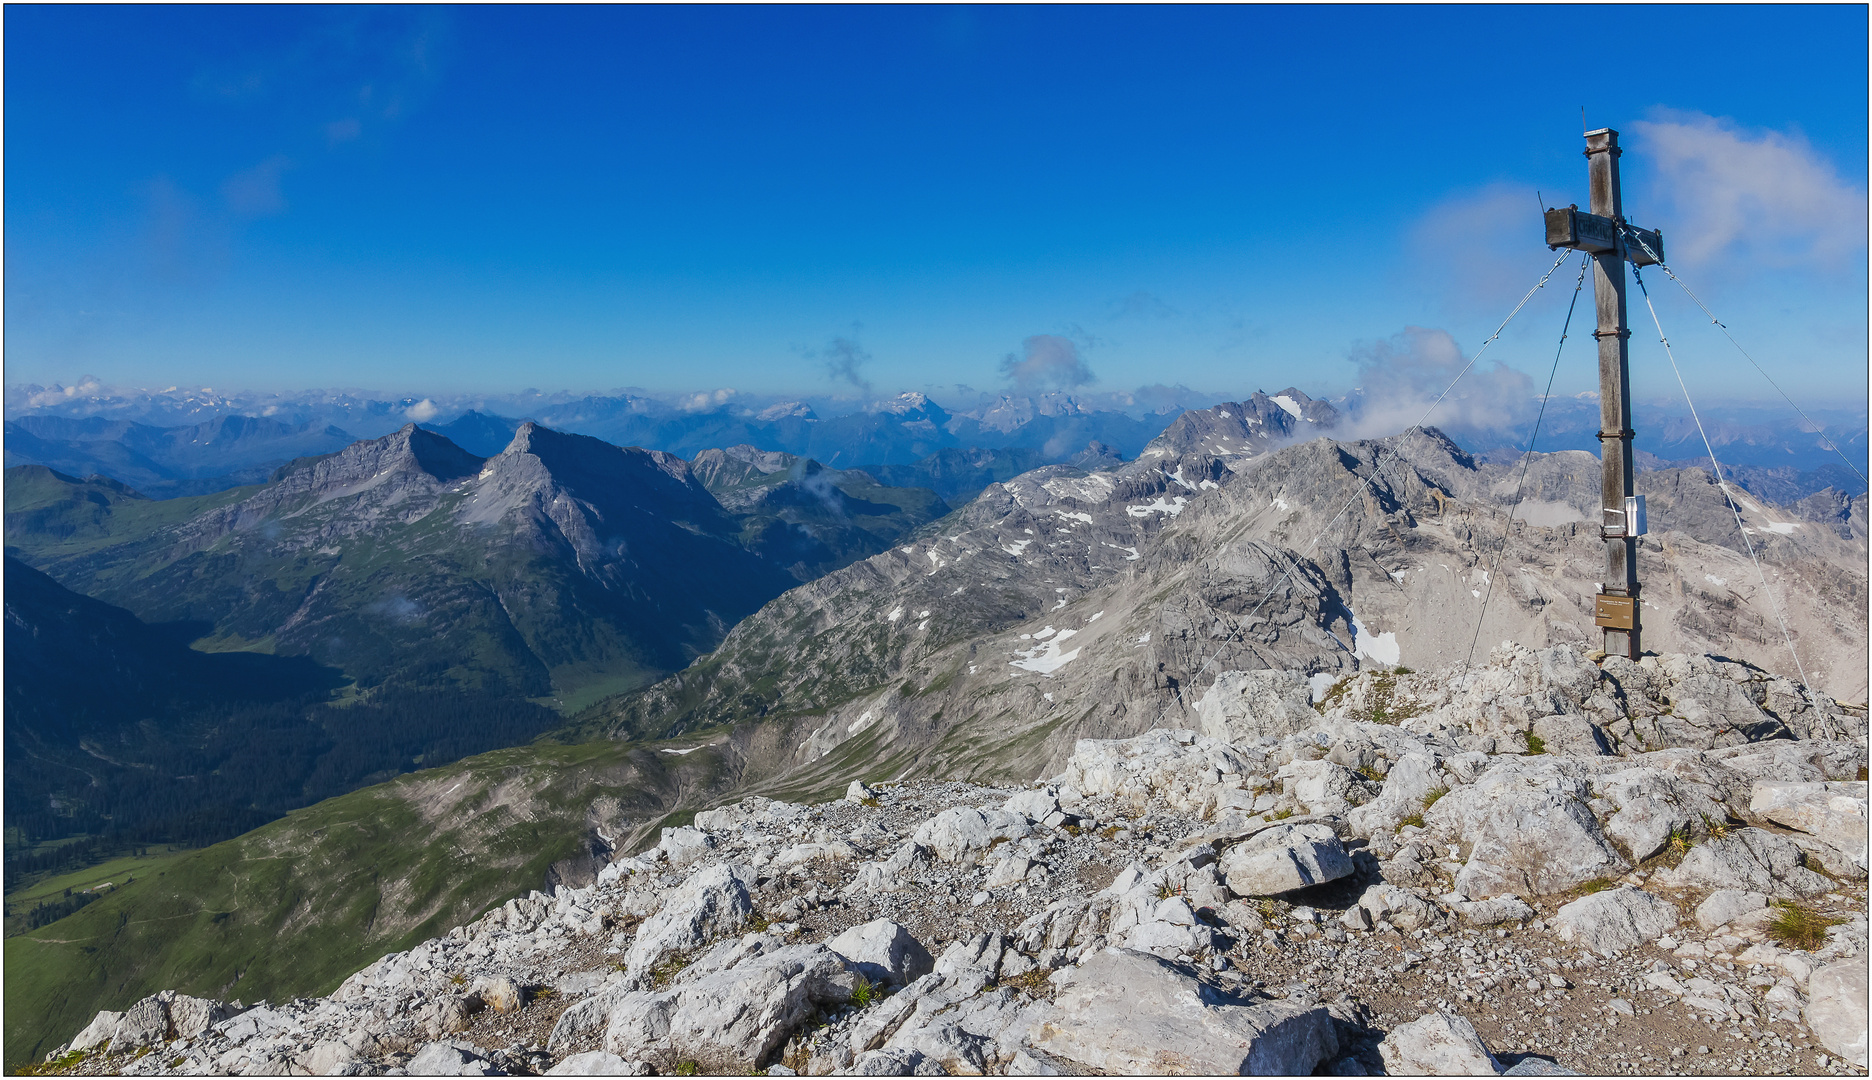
[(407, 455)]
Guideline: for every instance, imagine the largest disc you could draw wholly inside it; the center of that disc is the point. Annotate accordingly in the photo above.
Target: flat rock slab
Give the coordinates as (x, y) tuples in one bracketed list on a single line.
[(1836, 1008), (1133, 1013), (1615, 920), (1436, 1044), (1283, 859)]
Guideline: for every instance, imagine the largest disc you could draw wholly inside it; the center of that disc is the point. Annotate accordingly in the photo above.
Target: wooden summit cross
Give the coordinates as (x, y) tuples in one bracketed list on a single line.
[(1603, 234)]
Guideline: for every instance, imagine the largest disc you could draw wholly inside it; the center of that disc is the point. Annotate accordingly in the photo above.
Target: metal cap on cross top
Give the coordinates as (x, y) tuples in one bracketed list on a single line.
[(1602, 232)]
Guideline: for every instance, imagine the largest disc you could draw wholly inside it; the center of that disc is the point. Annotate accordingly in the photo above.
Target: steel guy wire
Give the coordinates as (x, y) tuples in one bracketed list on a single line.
[(1527, 459), (1830, 444), (1735, 507), (1365, 484)]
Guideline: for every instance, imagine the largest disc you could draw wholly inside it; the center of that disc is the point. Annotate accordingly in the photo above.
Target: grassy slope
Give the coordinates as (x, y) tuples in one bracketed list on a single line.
[(294, 907)]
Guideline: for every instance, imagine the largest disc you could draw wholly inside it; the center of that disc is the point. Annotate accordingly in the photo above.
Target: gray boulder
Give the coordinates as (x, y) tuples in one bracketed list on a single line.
[(598, 1063), (1410, 781), (963, 834), (1749, 859), (1615, 920), (1436, 1044), (1285, 858), (1132, 1013), (1836, 1008), (1724, 906), (450, 1059), (1834, 813), (1528, 830), (714, 902), (684, 844), (883, 952), (732, 1008), (1036, 804), (1245, 706), (895, 1061)]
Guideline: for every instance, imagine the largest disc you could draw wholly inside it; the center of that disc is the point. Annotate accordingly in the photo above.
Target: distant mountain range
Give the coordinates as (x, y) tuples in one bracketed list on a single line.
[(181, 442)]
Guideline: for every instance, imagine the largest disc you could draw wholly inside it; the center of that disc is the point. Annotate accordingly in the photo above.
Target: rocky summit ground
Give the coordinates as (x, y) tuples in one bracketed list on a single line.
[(1549, 864)]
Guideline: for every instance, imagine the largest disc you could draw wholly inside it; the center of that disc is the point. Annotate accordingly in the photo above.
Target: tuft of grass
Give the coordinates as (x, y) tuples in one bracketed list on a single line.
[(871, 802), (863, 994), (1598, 884), (1716, 829), (688, 1068), (1031, 981), (664, 973), (1402, 670), (1281, 815), (1679, 844), (1431, 799), (1414, 819), (1862, 773), (1798, 926), (1108, 832), (1536, 744), (54, 1067), (1369, 773)]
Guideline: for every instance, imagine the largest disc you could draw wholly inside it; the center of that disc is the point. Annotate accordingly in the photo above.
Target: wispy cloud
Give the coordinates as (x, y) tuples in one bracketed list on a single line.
[(1484, 244), (1401, 375), (256, 192), (1726, 190), (845, 360), (1140, 305), (1048, 362)]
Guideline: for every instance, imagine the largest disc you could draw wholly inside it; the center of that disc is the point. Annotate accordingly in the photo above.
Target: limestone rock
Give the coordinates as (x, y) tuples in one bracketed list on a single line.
[(1724, 906), (1527, 828), (597, 1063), (1406, 786), (1244, 706), (1836, 1008), (684, 844), (1748, 859), (730, 1009), (1436, 1044), (1615, 920), (1285, 858), (964, 834), (1832, 812), (884, 952), (714, 902), (1132, 1013), (450, 1059)]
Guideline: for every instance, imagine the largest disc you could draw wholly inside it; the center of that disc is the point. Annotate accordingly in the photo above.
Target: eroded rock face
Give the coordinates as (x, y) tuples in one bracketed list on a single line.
[(1285, 858), (1836, 1009), (1527, 830), (735, 1005), (1833, 813), (1156, 906), (1133, 1013), (1437, 1044), (1615, 920)]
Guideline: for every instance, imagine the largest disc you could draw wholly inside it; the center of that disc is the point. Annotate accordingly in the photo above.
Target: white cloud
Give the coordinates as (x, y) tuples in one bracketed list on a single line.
[(1401, 375), (422, 412), (1720, 189), (1051, 362)]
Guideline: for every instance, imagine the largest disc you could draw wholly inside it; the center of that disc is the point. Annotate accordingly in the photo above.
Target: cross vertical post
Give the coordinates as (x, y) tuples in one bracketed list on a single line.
[(1615, 430)]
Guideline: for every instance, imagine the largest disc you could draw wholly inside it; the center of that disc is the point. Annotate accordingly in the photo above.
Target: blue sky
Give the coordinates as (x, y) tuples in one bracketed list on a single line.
[(483, 199)]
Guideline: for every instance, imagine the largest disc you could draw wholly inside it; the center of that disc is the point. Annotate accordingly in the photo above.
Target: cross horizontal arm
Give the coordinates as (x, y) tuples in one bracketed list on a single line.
[(1568, 227)]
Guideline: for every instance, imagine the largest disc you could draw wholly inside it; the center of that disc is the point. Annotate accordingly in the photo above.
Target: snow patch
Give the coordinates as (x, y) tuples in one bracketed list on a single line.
[(896, 613), (1047, 657), (1320, 683), (1178, 477), (1173, 507), (1380, 647), (1785, 528), (1279, 504), (861, 723), (1145, 640), (1714, 580), (1208, 485), (680, 753), (1096, 616), (1016, 547), (1086, 518), (1288, 405)]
